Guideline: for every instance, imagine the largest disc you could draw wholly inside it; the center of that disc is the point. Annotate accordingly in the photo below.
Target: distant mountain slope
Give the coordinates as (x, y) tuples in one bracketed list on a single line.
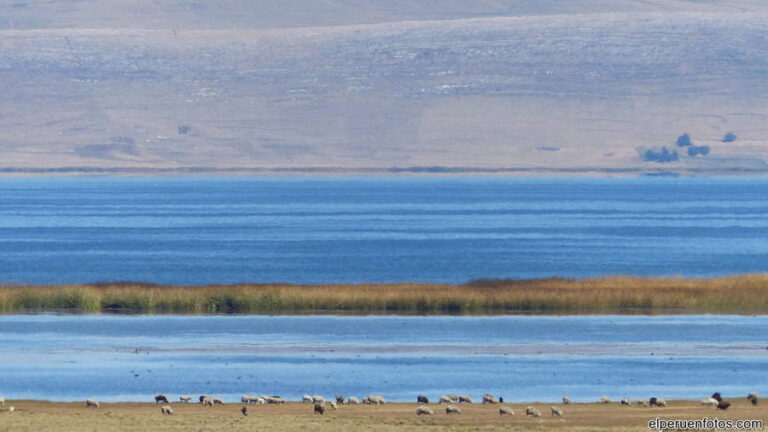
[(270, 14), (598, 93)]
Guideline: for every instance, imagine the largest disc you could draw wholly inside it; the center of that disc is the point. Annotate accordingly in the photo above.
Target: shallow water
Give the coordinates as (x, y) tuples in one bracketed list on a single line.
[(305, 230), (523, 358)]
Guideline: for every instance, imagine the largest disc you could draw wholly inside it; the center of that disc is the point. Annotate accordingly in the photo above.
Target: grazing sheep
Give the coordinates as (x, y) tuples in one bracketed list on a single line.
[(166, 410), (752, 398), (352, 400), (625, 401), (465, 399), (606, 400), (333, 405), (202, 397), (556, 411), (318, 398), (185, 398), (709, 402), (274, 399), (161, 398), (244, 410), (319, 409), (716, 396), (339, 398), (532, 411), (505, 411), (489, 399), (422, 399), (308, 399), (219, 401), (450, 409), (422, 410), (207, 401), (642, 402), (566, 400), (445, 399), (374, 400), (260, 400), (659, 402), (723, 405), (92, 403)]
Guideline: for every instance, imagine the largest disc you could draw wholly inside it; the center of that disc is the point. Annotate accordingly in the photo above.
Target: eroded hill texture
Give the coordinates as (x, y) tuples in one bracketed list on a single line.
[(589, 87)]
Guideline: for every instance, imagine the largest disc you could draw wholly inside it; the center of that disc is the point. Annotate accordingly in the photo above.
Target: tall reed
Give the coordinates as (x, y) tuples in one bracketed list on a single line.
[(747, 294)]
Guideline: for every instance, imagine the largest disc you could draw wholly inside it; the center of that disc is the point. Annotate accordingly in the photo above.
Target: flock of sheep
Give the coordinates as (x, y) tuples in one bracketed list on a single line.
[(320, 404)]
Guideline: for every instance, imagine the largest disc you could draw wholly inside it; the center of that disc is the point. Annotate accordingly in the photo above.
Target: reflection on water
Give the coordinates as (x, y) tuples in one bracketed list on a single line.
[(522, 358)]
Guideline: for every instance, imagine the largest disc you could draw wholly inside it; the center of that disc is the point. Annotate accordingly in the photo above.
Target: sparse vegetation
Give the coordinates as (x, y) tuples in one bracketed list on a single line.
[(736, 294)]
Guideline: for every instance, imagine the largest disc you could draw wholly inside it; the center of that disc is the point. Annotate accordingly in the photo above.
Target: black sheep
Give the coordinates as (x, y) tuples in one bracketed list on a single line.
[(422, 399)]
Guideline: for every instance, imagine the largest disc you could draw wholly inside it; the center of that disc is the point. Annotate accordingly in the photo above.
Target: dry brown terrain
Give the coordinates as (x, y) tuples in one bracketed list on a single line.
[(51, 416)]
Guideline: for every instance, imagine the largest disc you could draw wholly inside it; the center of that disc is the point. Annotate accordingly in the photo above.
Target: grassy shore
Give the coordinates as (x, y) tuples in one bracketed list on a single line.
[(35, 416), (747, 294)]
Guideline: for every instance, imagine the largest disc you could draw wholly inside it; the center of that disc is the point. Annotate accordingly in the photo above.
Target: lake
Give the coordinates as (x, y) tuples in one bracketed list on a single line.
[(311, 230), (522, 358)]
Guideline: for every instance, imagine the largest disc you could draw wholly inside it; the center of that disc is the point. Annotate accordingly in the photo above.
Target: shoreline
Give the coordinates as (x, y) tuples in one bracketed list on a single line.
[(294, 416), (615, 295)]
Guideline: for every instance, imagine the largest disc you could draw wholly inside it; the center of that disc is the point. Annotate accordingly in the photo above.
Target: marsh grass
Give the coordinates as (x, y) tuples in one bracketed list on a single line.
[(744, 294)]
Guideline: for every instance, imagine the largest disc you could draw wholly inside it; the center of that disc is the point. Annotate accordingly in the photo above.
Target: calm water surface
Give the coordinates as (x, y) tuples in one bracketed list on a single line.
[(214, 230), (521, 358)]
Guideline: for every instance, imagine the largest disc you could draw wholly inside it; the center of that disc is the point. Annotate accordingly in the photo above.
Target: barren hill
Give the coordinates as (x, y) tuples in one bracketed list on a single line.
[(492, 86)]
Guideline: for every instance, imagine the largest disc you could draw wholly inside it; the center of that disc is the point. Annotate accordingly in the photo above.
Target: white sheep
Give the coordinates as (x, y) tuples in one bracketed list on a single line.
[(318, 398), (260, 400), (642, 402), (450, 409), (422, 410), (219, 401), (352, 400), (308, 399), (661, 402), (505, 411), (185, 398), (92, 403), (465, 399), (556, 411), (489, 399), (532, 411), (333, 405), (374, 400), (445, 399), (566, 400), (207, 401), (709, 402), (625, 401), (166, 410), (11, 409), (606, 400)]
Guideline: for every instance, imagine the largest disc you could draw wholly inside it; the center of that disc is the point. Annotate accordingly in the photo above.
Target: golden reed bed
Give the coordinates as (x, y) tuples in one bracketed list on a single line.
[(746, 294), (36, 416)]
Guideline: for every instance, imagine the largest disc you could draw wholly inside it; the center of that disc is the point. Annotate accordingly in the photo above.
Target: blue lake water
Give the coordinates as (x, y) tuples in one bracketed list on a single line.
[(523, 358), (228, 230)]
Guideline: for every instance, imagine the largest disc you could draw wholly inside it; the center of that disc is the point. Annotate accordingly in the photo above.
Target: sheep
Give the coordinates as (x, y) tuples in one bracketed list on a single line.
[(422, 399), (752, 398), (352, 400), (723, 405), (92, 403), (625, 401), (566, 400), (659, 402), (339, 398), (219, 401), (333, 405), (319, 409), (245, 399), (465, 399), (505, 411), (712, 402), (274, 399), (422, 410), (166, 410), (450, 409), (532, 411), (185, 398), (489, 399), (244, 410), (161, 398), (642, 402), (318, 398), (207, 401), (260, 400), (308, 399), (445, 399), (11, 409), (716, 396), (606, 400), (202, 397), (556, 411), (374, 400)]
